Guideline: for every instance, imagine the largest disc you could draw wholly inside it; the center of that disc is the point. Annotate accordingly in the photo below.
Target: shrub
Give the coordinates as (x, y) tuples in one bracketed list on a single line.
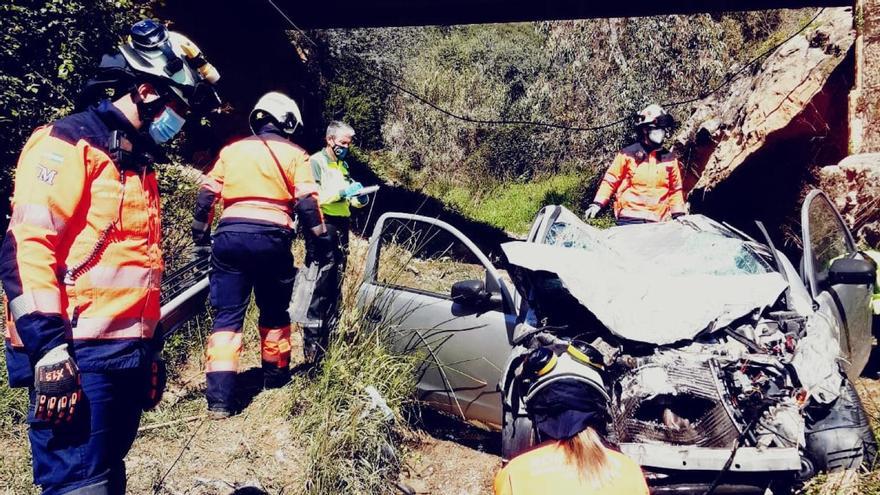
[(48, 48)]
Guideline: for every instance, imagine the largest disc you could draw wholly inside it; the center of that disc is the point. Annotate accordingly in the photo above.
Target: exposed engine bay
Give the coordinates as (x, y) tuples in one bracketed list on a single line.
[(719, 367)]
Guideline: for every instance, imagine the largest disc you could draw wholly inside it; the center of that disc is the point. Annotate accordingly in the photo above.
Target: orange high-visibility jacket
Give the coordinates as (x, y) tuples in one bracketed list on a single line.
[(646, 185), (69, 194), (248, 178), (545, 469)]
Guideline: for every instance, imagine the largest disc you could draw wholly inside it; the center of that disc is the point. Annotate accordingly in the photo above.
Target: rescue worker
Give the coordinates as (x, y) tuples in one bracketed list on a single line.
[(261, 180), (337, 193), (81, 263), (567, 403), (644, 178)]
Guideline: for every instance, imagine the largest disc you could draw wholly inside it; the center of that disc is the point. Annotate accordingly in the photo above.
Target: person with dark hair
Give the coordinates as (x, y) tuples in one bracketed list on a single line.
[(567, 403), (645, 178), (81, 263)]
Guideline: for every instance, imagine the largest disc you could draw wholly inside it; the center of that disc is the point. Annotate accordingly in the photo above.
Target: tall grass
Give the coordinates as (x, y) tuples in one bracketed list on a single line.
[(351, 445), (512, 206)]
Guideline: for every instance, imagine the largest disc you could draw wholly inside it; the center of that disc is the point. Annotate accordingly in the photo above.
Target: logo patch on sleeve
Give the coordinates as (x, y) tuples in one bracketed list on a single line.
[(47, 175)]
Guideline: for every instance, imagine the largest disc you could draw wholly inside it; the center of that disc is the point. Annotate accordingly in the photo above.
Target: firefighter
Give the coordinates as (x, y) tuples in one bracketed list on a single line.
[(81, 262), (644, 178), (337, 193), (262, 180), (567, 403)]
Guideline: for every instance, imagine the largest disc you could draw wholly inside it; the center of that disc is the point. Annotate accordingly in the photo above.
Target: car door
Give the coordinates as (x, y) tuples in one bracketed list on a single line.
[(412, 264), (826, 238)]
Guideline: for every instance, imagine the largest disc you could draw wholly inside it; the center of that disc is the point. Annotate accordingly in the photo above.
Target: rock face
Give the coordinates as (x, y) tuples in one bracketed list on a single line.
[(866, 94), (731, 126), (751, 151), (854, 186)]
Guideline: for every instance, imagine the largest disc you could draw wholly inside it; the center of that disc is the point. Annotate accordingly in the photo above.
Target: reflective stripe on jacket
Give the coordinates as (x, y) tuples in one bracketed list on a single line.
[(546, 469), (645, 185), (68, 195), (248, 179), (332, 177)]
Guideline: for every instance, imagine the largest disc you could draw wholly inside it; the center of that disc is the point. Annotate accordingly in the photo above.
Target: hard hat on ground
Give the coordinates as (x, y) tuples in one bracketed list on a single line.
[(567, 395), (277, 109), (168, 60), (654, 115)]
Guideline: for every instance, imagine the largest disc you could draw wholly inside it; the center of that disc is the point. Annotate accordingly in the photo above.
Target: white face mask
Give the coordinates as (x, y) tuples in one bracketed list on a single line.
[(657, 136)]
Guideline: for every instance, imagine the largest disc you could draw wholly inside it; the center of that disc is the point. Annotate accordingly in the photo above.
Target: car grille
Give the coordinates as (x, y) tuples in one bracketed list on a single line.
[(673, 398)]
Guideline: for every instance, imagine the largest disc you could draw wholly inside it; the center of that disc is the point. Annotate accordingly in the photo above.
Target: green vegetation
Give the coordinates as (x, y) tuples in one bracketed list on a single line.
[(47, 51), (350, 444), (350, 447), (513, 206)]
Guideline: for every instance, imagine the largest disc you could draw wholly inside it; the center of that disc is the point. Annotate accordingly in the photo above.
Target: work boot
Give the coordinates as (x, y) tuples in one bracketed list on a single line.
[(274, 377), (218, 412), (313, 353)]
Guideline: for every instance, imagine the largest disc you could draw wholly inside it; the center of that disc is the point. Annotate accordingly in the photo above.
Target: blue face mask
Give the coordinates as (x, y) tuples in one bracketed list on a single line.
[(340, 152), (166, 126)]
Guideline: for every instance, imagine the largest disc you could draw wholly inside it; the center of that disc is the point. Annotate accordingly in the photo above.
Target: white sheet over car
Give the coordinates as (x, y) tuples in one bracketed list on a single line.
[(659, 283)]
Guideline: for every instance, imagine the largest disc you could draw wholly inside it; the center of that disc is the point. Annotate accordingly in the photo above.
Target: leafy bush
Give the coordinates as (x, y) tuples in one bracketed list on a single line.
[(48, 48), (581, 73)]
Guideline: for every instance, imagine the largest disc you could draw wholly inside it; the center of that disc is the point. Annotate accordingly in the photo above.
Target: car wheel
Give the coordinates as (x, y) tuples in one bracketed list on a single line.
[(841, 436), (517, 436)]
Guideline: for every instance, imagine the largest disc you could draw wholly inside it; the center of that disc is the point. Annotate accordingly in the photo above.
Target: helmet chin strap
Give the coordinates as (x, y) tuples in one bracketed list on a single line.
[(147, 111)]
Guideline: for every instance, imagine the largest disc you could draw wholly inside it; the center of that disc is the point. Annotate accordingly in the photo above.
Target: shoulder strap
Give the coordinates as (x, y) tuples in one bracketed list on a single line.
[(280, 168)]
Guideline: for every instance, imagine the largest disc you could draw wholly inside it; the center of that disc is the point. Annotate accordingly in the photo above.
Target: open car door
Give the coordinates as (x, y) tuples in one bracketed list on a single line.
[(442, 299), (838, 277)]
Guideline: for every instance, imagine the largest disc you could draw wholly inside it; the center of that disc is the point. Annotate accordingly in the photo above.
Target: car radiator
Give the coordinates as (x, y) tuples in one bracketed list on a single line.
[(674, 398)]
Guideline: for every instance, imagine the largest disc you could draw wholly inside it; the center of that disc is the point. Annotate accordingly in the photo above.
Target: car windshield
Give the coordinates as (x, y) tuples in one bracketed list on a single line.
[(699, 246)]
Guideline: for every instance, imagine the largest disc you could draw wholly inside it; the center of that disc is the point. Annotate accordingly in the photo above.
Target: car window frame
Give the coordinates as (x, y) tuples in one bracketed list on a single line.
[(371, 267), (810, 273)]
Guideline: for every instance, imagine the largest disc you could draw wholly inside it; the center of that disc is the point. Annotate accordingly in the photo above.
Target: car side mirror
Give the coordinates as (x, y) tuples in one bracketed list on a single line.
[(470, 292), (851, 271)]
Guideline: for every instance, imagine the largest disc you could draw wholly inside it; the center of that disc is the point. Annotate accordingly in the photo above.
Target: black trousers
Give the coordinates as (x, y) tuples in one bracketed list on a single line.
[(331, 253)]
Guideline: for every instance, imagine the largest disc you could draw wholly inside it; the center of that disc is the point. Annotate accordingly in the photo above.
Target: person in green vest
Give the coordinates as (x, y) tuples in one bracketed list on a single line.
[(337, 194), (875, 297)]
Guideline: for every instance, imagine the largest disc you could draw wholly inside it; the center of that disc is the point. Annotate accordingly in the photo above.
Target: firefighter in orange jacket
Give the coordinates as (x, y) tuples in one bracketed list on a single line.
[(644, 178), (81, 262), (262, 180)]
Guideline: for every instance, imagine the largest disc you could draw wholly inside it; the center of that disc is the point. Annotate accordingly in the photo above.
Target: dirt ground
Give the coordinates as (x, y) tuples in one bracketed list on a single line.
[(180, 452)]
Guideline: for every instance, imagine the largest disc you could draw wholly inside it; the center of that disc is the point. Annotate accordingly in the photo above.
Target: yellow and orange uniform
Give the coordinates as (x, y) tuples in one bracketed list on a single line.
[(546, 470), (646, 185), (81, 261)]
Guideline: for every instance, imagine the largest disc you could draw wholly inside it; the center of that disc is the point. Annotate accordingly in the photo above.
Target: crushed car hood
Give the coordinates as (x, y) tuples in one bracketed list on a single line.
[(656, 284)]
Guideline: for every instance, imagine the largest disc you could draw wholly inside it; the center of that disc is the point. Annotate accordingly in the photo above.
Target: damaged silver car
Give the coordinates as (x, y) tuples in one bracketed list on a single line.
[(729, 369)]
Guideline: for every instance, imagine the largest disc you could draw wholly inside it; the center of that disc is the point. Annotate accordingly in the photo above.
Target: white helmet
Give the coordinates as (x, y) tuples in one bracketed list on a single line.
[(276, 108), (654, 115), (168, 56), (168, 60), (572, 365)]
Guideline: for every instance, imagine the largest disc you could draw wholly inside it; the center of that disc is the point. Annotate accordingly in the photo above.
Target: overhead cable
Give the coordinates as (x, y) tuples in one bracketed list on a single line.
[(729, 79)]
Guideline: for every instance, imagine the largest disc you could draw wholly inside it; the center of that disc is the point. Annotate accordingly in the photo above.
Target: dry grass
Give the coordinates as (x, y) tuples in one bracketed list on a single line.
[(350, 444)]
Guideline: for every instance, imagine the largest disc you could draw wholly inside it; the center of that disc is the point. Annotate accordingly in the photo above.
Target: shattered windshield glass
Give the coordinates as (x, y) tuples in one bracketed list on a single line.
[(676, 248)]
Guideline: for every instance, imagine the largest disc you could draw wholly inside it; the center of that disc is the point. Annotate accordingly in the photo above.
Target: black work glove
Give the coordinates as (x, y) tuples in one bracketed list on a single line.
[(199, 252), (57, 386), (158, 379), (319, 248)]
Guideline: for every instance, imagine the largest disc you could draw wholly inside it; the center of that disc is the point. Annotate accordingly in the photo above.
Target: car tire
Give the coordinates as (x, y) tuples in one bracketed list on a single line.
[(841, 436), (517, 436)]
